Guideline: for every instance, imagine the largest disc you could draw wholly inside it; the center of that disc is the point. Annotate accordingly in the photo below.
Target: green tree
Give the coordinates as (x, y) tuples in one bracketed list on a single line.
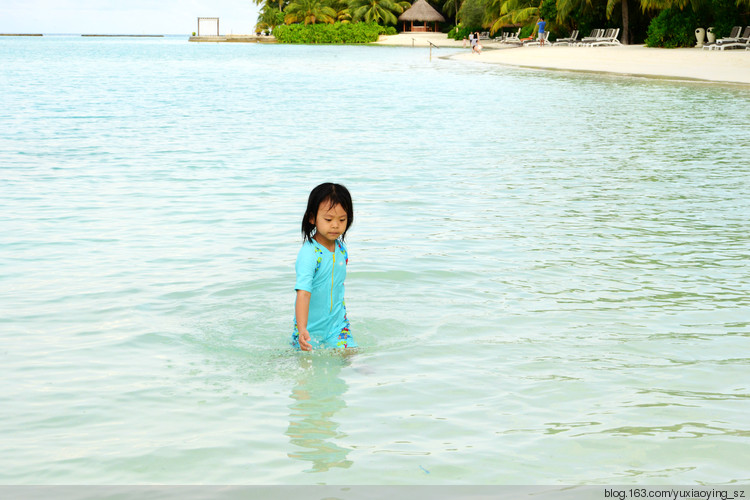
[(471, 13), (383, 12), (343, 13), (451, 8), (500, 13), (566, 7), (668, 4), (309, 12), (269, 17), (721, 14), (271, 4), (270, 14)]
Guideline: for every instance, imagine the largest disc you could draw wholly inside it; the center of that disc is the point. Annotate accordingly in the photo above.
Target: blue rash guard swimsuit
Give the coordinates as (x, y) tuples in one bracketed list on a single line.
[(322, 273)]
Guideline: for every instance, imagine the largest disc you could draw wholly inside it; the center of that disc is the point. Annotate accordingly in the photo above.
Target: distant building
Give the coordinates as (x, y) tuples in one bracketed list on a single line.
[(422, 13)]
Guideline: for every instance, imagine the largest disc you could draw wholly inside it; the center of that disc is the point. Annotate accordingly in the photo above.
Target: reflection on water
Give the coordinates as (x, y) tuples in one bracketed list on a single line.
[(317, 396)]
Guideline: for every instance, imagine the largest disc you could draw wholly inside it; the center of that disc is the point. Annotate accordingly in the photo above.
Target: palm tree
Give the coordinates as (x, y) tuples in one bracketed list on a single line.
[(269, 17), (309, 12), (451, 8), (508, 12), (378, 11), (267, 4), (668, 4), (625, 18), (565, 7), (343, 14), (271, 13)]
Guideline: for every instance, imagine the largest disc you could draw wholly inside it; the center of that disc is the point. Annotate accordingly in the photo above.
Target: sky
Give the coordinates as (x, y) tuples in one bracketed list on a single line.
[(132, 17)]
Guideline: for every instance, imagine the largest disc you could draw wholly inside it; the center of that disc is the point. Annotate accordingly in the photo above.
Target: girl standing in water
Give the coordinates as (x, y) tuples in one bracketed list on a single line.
[(320, 311)]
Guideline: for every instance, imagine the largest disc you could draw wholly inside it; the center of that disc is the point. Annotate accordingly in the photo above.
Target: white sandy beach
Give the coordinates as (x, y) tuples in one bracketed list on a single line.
[(730, 66), (419, 40)]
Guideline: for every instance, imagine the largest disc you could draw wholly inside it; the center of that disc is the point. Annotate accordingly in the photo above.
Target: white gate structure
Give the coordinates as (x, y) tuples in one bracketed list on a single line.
[(208, 26)]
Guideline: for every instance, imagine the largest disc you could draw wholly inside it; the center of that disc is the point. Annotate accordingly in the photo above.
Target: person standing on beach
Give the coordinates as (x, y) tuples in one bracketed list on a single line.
[(475, 47), (320, 312), (472, 41), (541, 24)]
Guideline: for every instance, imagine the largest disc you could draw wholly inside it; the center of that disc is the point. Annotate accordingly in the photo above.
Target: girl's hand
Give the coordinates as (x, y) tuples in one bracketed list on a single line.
[(304, 340)]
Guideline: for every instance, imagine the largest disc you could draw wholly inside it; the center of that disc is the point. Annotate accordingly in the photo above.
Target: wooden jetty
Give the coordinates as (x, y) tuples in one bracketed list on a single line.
[(235, 39)]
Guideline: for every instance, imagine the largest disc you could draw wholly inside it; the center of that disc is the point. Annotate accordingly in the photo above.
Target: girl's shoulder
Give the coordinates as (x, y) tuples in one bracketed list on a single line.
[(310, 257), (309, 248)]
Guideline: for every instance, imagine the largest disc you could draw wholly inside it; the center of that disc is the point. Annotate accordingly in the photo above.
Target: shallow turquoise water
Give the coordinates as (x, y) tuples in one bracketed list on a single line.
[(548, 271)]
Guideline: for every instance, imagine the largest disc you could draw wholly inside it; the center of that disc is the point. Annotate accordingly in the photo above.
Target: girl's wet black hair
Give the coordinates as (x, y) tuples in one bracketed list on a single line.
[(335, 194)]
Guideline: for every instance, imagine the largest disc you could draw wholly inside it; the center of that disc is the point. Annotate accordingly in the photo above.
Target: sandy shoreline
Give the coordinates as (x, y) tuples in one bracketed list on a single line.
[(729, 66), (419, 40)]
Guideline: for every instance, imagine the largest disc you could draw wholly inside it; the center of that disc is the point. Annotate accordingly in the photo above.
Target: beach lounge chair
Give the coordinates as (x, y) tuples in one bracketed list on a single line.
[(538, 40), (605, 35), (594, 36), (608, 40), (484, 35), (737, 43), (504, 36), (733, 37), (573, 38), (512, 37)]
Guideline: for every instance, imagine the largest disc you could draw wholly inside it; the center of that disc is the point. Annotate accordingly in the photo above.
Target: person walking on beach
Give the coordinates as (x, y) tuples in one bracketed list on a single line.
[(541, 24), (472, 41), (319, 312), (475, 45)]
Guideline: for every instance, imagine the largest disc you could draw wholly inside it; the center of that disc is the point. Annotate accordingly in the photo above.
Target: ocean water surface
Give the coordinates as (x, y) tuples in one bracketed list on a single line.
[(548, 272)]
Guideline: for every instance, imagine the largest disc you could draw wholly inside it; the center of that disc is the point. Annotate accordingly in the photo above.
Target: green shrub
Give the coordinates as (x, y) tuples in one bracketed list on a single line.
[(722, 15), (672, 28), (460, 32), (337, 33)]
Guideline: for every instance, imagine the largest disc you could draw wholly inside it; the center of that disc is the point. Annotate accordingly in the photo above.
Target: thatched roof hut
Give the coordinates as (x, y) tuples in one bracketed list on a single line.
[(422, 13)]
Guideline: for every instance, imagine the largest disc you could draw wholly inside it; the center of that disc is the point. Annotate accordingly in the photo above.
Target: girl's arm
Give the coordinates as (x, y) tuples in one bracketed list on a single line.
[(301, 313)]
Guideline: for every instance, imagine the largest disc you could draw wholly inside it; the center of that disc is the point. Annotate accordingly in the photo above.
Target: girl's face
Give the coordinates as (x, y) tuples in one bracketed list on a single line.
[(330, 223)]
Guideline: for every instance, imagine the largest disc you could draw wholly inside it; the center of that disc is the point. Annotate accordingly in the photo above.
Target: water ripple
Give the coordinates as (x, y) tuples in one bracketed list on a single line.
[(542, 265)]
